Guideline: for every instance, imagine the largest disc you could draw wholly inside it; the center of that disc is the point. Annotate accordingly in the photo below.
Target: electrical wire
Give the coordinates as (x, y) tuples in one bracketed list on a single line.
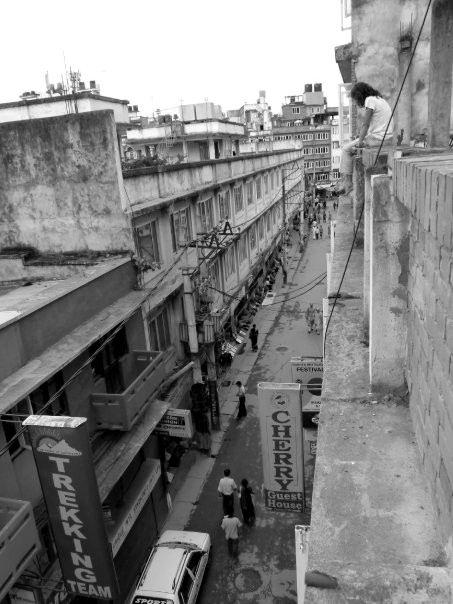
[(104, 343), (337, 295)]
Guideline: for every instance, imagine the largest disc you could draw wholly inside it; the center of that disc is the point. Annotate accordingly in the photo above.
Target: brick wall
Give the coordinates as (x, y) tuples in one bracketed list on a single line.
[(425, 185)]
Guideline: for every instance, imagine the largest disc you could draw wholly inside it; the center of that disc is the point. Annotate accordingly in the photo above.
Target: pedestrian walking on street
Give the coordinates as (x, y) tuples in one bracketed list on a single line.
[(329, 216), (317, 231), (320, 230), (246, 501), (324, 216), (310, 317), (231, 525), (254, 337), (328, 229), (318, 321), (242, 411), (226, 489)]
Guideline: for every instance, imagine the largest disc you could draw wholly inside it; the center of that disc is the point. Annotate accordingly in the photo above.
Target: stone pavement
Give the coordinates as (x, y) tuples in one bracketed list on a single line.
[(265, 571)]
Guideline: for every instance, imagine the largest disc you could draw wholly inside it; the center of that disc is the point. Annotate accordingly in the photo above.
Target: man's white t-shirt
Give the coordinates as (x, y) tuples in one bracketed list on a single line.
[(380, 118), (227, 486)]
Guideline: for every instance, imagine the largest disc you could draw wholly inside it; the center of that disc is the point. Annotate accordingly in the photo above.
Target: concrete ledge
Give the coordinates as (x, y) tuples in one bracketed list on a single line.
[(372, 525)]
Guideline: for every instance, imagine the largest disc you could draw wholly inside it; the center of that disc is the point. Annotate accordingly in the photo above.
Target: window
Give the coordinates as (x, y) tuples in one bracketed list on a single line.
[(335, 144), (261, 228), (319, 150), (252, 237), (274, 216), (335, 174), (307, 137), (224, 205), (249, 192), (105, 364), (320, 136), (258, 187), (159, 331), (180, 228), (242, 249), (296, 109), (204, 151), (335, 130), (288, 123), (272, 181), (206, 221), (12, 423), (186, 588), (148, 241), (238, 200), (268, 222), (266, 184), (194, 562), (229, 261), (308, 150), (322, 176)]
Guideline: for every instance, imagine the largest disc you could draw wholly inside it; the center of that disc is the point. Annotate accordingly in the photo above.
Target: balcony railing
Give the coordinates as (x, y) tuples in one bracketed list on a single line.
[(19, 541), (144, 372)]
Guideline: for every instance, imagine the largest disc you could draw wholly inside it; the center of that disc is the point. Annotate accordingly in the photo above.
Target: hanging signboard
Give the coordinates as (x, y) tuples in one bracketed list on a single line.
[(282, 446), (308, 372), (176, 422), (62, 452)]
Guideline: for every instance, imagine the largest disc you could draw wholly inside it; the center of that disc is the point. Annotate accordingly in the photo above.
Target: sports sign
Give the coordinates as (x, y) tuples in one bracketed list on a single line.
[(62, 452), (282, 446)]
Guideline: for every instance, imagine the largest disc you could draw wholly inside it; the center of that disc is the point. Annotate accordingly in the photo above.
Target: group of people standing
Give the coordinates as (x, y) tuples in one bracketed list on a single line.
[(230, 523)]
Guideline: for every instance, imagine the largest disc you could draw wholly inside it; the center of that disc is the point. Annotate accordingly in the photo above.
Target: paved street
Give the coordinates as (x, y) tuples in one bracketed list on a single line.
[(265, 571)]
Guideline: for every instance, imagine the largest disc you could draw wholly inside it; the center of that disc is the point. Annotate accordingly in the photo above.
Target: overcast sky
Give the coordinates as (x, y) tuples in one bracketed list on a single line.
[(155, 54)]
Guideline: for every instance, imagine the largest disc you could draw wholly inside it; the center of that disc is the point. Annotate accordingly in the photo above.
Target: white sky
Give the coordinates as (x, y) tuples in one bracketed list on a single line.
[(157, 53)]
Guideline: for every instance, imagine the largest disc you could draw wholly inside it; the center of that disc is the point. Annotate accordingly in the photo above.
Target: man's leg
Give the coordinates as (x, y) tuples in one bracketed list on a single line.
[(230, 547), (235, 543)]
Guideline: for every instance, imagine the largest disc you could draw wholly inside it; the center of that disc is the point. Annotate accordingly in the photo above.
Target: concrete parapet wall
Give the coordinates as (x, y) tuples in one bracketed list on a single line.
[(424, 184), (61, 185)]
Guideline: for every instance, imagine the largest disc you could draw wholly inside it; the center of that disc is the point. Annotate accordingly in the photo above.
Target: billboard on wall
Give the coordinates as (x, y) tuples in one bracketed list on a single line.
[(62, 452), (308, 372), (176, 422), (282, 447)]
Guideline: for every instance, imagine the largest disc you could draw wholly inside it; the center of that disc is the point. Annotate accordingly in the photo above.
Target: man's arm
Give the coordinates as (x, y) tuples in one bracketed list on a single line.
[(365, 126)]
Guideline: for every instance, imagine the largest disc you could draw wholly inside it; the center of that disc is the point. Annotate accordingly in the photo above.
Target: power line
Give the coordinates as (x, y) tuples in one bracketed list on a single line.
[(337, 295)]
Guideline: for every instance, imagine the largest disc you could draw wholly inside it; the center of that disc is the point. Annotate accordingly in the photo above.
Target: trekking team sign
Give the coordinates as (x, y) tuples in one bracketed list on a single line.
[(282, 446)]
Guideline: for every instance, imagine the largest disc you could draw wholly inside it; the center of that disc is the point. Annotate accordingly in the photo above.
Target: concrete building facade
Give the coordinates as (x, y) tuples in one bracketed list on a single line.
[(94, 266), (388, 464)]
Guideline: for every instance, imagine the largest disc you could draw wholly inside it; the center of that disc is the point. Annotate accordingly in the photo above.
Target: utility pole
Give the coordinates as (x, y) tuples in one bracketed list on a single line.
[(209, 339), (284, 263), (189, 308)]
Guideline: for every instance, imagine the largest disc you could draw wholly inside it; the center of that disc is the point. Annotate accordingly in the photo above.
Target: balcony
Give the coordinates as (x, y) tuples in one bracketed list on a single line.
[(144, 372), (19, 541)]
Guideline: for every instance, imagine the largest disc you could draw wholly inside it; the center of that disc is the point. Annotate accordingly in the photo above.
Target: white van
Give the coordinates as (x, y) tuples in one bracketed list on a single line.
[(174, 570)]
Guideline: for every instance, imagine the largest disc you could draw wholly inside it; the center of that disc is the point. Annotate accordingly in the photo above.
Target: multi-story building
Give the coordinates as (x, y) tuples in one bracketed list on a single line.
[(111, 283), (200, 134), (257, 118), (382, 516), (305, 123)]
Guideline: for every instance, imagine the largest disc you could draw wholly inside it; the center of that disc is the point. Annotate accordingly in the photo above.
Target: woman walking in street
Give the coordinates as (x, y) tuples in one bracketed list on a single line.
[(242, 411), (246, 500)]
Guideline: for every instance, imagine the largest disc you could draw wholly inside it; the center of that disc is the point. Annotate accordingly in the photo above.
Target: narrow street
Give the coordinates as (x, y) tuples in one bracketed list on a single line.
[(265, 571)]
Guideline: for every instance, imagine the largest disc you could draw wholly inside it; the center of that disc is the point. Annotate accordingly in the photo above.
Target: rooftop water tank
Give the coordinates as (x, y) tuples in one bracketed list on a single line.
[(318, 87), (308, 88)]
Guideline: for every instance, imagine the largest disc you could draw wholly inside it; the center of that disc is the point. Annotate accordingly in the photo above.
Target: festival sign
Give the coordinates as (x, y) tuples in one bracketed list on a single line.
[(62, 452), (282, 446), (308, 372)]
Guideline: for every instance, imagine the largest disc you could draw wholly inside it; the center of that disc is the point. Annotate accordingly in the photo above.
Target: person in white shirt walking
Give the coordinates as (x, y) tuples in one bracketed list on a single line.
[(226, 489), (231, 526)]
